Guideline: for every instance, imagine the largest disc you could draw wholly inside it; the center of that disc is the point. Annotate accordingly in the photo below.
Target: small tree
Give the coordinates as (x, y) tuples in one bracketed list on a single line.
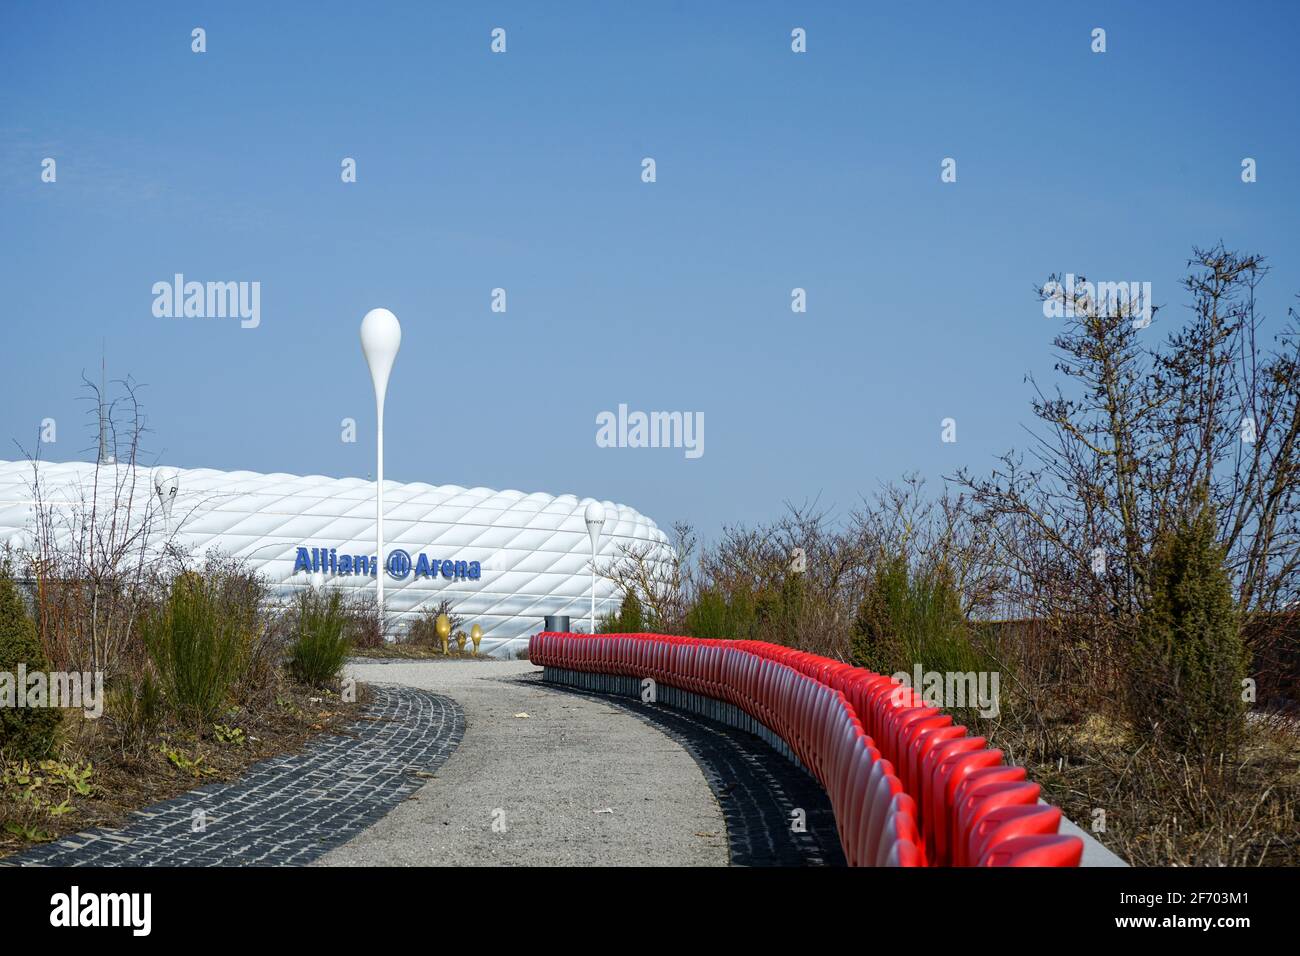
[(719, 616), (630, 618), (709, 617), (882, 611), (660, 574), (913, 616), (1189, 659), (24, 732)]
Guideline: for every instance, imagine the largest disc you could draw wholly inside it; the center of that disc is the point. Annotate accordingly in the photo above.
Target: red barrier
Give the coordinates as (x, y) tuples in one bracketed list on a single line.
[(907, 787), (1035, 851)]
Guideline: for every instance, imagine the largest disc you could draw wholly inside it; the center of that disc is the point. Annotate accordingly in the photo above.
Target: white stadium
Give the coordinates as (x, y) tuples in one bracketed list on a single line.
[(504, 559)]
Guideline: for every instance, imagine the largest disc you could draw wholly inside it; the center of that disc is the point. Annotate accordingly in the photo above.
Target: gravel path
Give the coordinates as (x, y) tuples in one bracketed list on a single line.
[(578, 781)]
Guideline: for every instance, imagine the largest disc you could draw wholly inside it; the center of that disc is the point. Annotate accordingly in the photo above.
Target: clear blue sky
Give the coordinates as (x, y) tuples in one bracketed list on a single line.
[(522, 170)]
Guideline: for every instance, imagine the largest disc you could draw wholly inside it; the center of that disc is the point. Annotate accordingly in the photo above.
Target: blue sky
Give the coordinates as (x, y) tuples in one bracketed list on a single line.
[(522, 171)]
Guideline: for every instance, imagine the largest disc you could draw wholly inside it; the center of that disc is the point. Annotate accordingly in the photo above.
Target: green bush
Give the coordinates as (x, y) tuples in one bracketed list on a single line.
[(242, 596), (707, 617), (135, 708), (198, 645), (630, 618), (716, 615), (321, 644), (783, 611), (1189, 659), (884, 604), (25, 733), (911, 617)]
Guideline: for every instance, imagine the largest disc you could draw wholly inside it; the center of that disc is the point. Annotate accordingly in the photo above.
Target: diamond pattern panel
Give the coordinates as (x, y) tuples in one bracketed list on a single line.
[(533, 548)]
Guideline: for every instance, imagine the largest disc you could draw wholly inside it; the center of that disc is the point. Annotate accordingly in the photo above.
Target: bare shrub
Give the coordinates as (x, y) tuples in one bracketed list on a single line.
[(423, 631), (99, 552), (364, 626)]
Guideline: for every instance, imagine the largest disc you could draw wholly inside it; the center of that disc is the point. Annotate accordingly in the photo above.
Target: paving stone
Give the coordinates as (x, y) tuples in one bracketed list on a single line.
[(286, 810)]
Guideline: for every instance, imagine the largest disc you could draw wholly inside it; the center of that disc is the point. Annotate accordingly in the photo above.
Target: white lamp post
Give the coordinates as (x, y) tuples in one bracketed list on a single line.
[(595, 518), (381, 336), (166, 484)]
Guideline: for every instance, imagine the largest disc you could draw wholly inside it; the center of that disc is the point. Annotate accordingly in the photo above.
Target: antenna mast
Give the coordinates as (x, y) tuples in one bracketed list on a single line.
[(105, 456)]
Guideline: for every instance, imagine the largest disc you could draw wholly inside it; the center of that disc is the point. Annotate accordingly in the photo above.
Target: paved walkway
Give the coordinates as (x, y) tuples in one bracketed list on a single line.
[(287, 810), (480, 763), (759, 790), (578, 781)]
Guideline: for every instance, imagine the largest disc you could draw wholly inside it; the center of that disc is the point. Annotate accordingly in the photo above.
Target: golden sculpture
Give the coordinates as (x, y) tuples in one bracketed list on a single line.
[(476, 635), (443, 627)]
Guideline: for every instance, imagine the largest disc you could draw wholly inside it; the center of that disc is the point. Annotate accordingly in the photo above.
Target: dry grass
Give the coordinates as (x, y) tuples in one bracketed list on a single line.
[(406, 650), (1161, 808)]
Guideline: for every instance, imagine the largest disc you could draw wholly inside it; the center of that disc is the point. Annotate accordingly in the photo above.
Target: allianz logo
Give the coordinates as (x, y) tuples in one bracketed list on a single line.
[(398, 564)]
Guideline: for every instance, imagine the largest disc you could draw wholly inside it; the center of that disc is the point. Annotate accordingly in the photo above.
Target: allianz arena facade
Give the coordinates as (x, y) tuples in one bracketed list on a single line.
[(504, 559)]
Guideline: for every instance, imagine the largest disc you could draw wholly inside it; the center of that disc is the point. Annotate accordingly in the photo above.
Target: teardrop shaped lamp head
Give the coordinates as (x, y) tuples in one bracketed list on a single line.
[(381, 337), (166, 483), (595, 518)]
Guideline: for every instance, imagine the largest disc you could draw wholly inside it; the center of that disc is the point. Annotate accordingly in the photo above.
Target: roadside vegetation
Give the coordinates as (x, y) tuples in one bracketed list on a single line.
[(202, 673), (1131, 576), (420, 639)]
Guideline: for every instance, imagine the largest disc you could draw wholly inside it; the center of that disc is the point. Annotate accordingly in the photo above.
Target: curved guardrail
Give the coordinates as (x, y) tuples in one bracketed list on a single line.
[(906, 785)]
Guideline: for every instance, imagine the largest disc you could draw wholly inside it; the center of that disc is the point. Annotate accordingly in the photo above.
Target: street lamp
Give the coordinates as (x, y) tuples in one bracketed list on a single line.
[(381, 336), (595, 518), (166, 484)]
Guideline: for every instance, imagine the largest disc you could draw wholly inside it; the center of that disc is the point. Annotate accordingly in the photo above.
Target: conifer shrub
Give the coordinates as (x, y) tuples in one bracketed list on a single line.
[(630, 618), (716, 615), (913, 616), (25, 732), (1188, 657)]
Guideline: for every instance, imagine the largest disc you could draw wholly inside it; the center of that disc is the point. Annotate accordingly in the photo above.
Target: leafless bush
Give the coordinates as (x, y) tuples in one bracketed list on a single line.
[(100, 549), (662, 578), (1120, 457), (365, 626), (423, 631)]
